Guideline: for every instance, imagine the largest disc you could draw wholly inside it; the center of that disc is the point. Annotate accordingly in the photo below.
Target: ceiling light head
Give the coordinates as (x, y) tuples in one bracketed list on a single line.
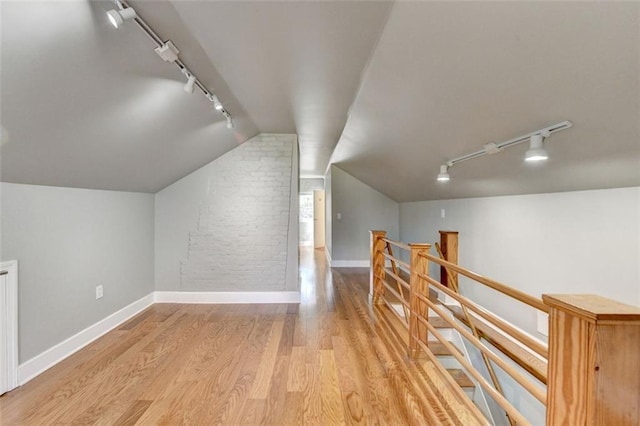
[(229, 123), (536, 152), (117, 17), (191, 81), (216, 103), (443, 176)]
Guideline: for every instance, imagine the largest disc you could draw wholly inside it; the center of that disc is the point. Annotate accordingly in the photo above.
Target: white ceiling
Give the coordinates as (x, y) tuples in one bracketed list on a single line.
[(400, 88)]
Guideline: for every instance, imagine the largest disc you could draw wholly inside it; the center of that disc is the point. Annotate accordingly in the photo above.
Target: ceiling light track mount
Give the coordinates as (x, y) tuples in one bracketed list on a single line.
[(536, 151), (168, 52)]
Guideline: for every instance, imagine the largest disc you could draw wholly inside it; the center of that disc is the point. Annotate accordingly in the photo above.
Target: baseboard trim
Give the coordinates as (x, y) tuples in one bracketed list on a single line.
[(47, 359), (227, 297), (349, 263), (52, 356), (327, 254)]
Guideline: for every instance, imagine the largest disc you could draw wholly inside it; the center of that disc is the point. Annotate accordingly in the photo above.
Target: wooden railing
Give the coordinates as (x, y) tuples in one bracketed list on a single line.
[(590, 369)]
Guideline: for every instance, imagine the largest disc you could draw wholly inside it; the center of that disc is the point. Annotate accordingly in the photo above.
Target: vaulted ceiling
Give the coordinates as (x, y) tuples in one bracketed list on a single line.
[(387, 91)]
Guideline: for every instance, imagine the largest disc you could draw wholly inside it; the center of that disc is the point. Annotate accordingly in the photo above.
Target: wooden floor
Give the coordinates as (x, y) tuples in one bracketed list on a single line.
[(330, 360)]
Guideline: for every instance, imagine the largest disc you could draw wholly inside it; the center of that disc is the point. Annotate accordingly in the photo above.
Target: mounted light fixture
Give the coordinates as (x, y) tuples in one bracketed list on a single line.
[(216, 103), (191, 81), (443, 176), (535, 153), (117, 17), (167, 51)]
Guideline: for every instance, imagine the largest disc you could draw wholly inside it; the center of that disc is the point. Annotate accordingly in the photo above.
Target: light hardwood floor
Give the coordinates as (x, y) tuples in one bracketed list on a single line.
[(330, 360)]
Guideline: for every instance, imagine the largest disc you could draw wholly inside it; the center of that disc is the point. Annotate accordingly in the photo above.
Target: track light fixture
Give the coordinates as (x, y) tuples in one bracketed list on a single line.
[(216, 104), (167, 51), (443, 176), (535, 153), (191, 81), (117, 17)]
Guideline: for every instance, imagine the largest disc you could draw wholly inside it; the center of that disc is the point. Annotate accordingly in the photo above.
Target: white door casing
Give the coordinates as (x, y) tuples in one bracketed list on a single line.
[(8, 326)]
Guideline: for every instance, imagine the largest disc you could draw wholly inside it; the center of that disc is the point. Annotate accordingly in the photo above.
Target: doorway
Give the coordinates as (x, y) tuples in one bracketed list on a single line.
[(306, 219), (318, 219)]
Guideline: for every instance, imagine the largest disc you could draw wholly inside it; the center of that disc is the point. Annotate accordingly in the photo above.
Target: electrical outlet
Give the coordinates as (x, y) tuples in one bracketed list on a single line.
[(442, 213), (99, 292)]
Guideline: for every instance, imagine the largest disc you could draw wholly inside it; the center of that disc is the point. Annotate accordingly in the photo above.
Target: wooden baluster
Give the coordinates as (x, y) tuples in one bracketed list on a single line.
[(594, 362), (376, 269), (419, 265), (449, 246)]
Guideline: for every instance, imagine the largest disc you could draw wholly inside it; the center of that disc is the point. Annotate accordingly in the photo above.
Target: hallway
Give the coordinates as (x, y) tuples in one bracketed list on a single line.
[(326, 361)]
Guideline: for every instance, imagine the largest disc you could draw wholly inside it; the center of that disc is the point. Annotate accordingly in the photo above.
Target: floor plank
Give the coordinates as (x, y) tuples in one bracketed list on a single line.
[(333, 359)]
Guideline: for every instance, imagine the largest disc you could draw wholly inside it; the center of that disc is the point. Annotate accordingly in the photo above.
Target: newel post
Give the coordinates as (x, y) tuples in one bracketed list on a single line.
[(449, 247), (594, 361), (417, 285), (376, 269)]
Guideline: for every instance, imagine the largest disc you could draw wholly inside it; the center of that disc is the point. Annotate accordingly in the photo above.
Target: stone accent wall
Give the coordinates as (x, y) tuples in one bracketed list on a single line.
[(242, 236)]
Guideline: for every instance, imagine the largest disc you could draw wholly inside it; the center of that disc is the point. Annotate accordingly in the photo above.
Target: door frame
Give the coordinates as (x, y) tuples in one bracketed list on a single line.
[(9, 333)]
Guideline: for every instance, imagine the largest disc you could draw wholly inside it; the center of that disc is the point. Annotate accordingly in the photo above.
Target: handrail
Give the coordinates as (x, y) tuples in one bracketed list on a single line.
[(515, 350), (502, 288), (416, 319), (398, 279), (395, 293), (535, 345), (500, 400), (396, 260), (492, 374), (398, 244), (536, 392)]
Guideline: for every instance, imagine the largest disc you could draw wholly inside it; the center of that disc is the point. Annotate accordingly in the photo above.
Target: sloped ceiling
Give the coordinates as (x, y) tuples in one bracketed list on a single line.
[(388, 91), (448, 77)]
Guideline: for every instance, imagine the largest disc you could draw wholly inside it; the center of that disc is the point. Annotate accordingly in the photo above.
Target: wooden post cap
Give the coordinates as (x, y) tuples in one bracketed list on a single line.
[(593, 308)]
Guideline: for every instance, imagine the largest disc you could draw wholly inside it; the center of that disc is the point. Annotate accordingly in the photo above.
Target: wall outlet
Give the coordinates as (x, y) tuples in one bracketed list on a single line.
[(99, 292), (442, 213), (339, 216)]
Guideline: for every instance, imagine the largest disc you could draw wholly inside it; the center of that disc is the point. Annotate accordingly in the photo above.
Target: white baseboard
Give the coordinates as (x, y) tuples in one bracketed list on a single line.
[(326, 252), (227, 297), (47, 359), (349, 263)]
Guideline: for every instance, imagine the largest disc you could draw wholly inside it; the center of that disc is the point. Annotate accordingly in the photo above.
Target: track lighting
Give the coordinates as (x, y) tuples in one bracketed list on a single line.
[(167, 51), (443, 176), (117, 17), (535, 153), (191, 81), (216, 103)]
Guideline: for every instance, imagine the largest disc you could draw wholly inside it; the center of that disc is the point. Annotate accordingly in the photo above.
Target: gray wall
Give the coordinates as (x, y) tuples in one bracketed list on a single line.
[(572, 242), (233, 224), (67, 241), (362, 209)]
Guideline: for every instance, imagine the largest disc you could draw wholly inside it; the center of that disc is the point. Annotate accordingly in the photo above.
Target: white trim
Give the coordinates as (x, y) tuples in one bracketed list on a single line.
[(326, 252), (10, 319), (47, 359), (62, 350), (226, 297), (349, 263)]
